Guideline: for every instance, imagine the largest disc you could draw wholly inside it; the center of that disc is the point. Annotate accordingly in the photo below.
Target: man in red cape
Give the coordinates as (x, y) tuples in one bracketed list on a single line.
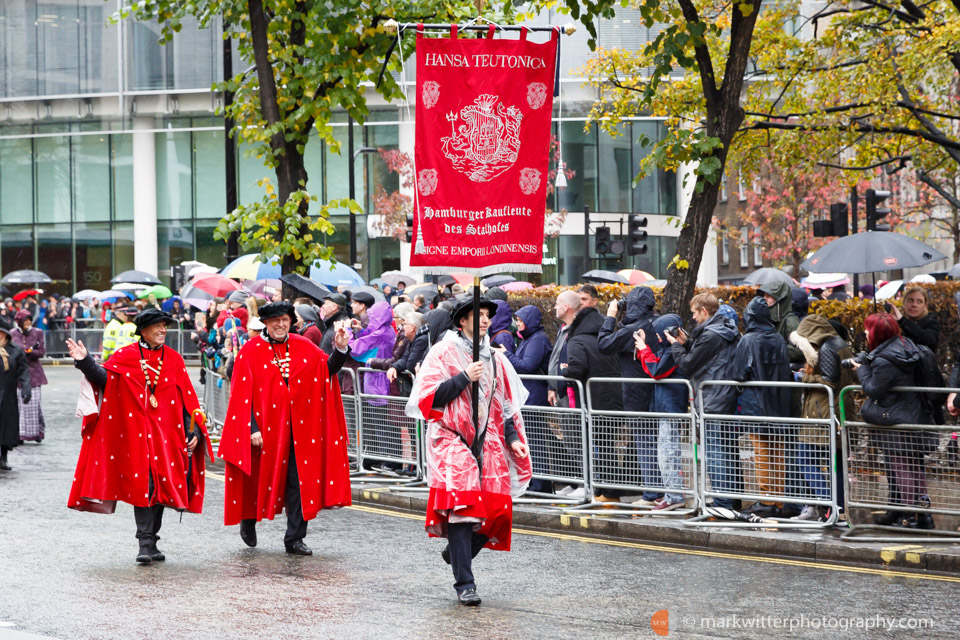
[(139, 448), (285, 437), (473, 471)]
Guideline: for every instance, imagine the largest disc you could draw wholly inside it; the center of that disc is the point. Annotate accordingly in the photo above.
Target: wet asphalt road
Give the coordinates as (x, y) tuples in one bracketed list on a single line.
[(65, 574)]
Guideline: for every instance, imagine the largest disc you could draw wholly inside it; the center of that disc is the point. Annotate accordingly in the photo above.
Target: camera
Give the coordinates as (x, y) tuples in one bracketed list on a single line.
[(673, 331), (887, 307), (860, 358)]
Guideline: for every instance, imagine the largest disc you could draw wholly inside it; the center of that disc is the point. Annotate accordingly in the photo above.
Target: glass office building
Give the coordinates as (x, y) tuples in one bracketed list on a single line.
[(112, 155)]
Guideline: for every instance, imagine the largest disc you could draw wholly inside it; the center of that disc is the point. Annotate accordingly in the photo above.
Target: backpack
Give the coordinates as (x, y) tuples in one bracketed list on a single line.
[(928, 375)]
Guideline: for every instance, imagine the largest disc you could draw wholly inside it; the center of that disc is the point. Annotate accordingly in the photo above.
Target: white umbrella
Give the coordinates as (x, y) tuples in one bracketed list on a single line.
[(201, 269), (130, 286), (888, 290), (86, 294), (924, 278)]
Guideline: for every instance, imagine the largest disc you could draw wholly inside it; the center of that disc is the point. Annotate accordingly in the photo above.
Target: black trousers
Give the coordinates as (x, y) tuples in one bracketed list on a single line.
[(464, 544), (148, 519), (296, 525)]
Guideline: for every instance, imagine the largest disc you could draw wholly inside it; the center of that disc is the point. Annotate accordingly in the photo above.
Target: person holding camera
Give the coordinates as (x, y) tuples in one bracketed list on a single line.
[(706, 355), (895, 361), (618, 338)]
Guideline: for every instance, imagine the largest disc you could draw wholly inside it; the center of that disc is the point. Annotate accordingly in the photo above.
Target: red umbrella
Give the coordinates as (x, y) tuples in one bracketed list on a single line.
[(214, 284), (20, 295)]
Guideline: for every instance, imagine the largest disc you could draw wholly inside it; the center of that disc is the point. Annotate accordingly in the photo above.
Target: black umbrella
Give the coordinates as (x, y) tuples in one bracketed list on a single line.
[(376, 293), (136, 277), (306, 286), (766, 275), (497, 281), (870, 252), (607, 277), (27, 276)]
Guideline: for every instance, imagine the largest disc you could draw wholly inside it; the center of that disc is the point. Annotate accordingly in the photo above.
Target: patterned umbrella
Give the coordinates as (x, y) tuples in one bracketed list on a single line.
[(215, 284), (249, 267), (636, 276)]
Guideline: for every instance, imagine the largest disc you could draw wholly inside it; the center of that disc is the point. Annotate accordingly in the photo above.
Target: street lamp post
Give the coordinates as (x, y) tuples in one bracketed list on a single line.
[(353, 160)]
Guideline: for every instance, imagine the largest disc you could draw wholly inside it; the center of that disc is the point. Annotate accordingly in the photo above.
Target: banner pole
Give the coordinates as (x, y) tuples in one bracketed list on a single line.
[(476, 352)]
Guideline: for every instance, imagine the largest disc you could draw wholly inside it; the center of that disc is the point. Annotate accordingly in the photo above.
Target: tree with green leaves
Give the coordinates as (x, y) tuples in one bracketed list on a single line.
[(310, 60), (710, 42)]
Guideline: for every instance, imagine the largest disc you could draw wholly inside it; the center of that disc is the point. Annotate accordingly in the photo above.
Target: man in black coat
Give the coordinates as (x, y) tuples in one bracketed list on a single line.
[(13, 372), (619, 338), (585, 361)]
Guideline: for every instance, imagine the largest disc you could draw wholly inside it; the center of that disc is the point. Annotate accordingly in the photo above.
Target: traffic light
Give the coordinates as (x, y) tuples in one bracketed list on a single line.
[(636, 235), (602, 240), (839, 216), (876, 213), (409, 229)]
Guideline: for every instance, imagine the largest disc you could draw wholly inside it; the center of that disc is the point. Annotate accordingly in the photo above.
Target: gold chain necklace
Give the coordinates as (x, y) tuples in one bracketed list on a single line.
[(282, 363), (146, 368)]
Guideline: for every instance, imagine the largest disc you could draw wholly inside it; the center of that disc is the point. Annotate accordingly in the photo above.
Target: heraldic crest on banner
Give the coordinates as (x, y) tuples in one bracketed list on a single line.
[(488, 141)]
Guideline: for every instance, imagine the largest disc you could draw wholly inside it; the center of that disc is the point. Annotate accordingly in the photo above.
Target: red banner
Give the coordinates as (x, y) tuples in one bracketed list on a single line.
[(482, 148)]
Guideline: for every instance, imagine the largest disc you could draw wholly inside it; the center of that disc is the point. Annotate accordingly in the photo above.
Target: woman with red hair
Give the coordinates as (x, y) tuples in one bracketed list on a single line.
[(894, 361)]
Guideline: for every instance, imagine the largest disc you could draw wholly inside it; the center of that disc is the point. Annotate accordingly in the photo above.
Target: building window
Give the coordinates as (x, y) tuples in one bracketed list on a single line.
[(741, 194), (724, 249), (744, 247), (757, 248), (723, 187)]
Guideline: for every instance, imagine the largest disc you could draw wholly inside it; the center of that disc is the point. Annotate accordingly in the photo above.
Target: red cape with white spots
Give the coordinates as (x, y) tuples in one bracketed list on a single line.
[(309, 410), (129, 439)]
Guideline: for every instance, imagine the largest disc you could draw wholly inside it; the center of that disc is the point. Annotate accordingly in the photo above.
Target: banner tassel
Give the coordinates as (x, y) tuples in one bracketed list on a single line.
[(420, 247)]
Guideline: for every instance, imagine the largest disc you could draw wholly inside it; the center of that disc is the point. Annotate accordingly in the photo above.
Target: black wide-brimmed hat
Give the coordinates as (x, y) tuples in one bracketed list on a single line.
[(465, 306), (277, 309), (150, 317)]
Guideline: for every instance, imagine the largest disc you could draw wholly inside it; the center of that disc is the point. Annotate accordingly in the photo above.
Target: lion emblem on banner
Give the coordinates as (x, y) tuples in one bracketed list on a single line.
[(430, 93), (536, 94), (427, 181), (484, 138), (529, 180)]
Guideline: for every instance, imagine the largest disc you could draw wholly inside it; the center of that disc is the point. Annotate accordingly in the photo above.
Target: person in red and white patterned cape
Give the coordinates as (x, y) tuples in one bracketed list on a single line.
[(284, 440), (471, 500)]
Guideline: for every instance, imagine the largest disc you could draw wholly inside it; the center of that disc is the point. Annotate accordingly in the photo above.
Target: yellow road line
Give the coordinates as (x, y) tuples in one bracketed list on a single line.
[(886, 573)]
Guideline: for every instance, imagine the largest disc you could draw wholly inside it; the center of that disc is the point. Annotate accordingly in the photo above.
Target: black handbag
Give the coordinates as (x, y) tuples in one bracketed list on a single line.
[(875, 413)]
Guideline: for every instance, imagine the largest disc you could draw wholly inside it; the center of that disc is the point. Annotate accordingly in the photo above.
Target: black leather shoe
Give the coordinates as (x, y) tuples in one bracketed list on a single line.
[(4, 466), (469, 598), (145, 556), (248, 532), (299, 549), (155, 554), (925, 521), (888, 519), (445, 554)]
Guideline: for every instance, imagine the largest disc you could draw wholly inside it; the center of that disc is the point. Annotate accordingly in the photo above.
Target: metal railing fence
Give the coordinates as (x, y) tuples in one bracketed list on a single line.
[(775, 462), (905, 470)]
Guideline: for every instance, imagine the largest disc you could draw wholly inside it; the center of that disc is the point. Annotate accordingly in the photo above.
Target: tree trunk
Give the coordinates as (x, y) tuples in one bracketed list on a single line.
[(682, 283)]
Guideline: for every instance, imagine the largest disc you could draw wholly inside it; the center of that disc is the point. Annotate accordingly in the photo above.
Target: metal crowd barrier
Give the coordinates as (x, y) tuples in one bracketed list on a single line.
[(907, 469), (557, 439), (216, 398), (635, 453), (387, 435), (767, 459), (351, 413)]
